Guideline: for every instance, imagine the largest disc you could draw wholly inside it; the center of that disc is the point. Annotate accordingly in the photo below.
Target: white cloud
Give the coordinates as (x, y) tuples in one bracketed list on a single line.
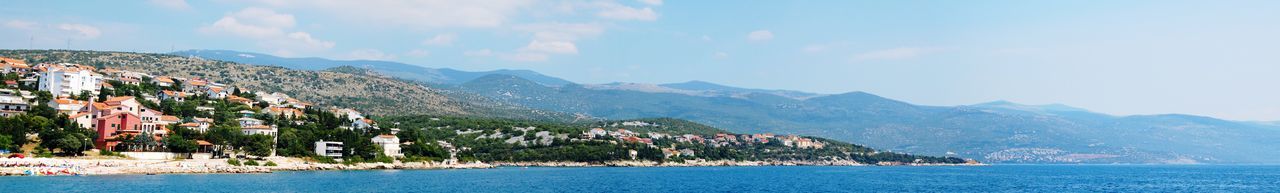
[(551, 47), (561, 31), (760, 35), (706, 38), (622, 12), (553, 38), (82, 30), (307, 40), (651, 2), (269, 28), (527, 57), (418, 53), (252, 22), (481, 52), (893, 54), (172, 4), (414, 14), (440, 40), (720, 55), (369, 54), (20, 24)]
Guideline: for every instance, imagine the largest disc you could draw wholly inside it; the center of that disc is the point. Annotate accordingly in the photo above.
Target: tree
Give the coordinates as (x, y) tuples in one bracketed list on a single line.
[(43, 97), (6, 143), (257, 145), (84, 95), (178, 144)]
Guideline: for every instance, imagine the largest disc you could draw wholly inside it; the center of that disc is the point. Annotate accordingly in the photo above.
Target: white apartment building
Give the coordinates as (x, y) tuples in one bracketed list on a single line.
[(330, 149), (65, 81)]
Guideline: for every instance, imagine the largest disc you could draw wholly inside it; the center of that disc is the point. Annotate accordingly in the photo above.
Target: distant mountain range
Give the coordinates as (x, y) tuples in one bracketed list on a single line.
[(394, 69), (999, 132)]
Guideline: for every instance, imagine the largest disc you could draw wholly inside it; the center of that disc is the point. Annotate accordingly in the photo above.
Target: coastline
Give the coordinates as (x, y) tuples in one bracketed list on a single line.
[(125, 166)]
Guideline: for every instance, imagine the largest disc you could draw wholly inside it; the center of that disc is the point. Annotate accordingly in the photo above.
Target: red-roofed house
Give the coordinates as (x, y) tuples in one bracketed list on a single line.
[(108, 127)]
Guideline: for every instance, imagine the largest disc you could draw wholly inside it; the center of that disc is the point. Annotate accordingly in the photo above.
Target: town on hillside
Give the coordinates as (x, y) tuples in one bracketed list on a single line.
[(56, 109), (73, 109)]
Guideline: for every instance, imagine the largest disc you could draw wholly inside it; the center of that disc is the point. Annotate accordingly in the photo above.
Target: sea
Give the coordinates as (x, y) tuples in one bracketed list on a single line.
[(993, 178)]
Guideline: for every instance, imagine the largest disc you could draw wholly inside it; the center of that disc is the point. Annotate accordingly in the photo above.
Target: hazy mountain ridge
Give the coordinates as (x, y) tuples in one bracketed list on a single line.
[(395, 69), (997, 132)]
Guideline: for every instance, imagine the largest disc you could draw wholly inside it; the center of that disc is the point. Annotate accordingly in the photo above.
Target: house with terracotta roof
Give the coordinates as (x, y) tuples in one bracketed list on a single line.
[(168, 119), (68, 106), (241, 100), (195, 85), (390, 145), (216, 92), (173, 95), (286, 112), (12, 65), (162, 81)]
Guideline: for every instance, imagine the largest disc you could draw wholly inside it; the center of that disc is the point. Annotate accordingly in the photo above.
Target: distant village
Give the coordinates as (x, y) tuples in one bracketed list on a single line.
[(719, 140), (80, 92)]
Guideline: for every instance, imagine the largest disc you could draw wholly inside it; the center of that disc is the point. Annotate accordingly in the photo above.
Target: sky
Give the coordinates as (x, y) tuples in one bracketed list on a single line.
[(1210, 58)]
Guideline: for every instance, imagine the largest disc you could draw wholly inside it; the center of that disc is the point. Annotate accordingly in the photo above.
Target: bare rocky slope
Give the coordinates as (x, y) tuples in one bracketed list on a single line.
[(376, 94)]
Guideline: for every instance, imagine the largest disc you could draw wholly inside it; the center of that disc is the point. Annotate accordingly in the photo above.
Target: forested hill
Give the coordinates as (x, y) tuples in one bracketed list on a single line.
[(659, 139)]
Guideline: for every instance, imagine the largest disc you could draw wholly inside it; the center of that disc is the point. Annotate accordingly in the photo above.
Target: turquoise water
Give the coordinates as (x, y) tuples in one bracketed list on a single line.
[(1002, 178)]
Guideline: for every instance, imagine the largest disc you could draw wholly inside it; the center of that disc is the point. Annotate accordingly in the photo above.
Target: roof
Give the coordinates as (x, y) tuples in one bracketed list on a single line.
[(164, 79), (189, 125), (207, 120), (386, 136), (257, 127), (77, 115), (67, 101), (203, 143), (119, 99), (169, 118), (12, 60)]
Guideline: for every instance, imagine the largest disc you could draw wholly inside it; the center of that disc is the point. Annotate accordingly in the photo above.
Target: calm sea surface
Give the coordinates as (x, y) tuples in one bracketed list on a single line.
[(1001, 178)]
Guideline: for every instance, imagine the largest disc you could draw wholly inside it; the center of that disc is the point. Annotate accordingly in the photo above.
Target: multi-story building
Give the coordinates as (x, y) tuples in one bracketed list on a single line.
[(390, 145), (332, 149), (69, 79)]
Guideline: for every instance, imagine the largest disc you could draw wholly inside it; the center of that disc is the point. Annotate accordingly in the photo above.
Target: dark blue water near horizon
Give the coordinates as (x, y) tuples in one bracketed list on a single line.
[(998, 178)]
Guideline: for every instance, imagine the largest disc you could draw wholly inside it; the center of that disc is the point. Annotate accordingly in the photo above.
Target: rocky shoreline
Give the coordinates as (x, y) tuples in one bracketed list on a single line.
[(100, 166), (705, 163)]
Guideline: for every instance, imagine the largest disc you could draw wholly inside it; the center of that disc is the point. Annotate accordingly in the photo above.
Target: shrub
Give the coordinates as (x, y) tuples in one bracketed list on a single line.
[(233, 162), (251, 163), (270, 163)]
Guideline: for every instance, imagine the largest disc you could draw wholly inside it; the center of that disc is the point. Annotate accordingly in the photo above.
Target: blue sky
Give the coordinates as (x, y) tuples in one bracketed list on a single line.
[(1213, 58)]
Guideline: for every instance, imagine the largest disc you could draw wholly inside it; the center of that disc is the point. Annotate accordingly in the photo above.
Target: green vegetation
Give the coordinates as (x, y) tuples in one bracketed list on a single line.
[(490, 140), (234, 162)]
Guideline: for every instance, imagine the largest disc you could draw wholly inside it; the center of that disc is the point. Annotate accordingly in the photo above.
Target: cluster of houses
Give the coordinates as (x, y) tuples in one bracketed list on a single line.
[(719, 140), (120, 116)]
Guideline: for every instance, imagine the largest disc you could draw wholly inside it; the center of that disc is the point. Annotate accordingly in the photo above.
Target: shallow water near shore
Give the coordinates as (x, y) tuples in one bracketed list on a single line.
[(996, 178)]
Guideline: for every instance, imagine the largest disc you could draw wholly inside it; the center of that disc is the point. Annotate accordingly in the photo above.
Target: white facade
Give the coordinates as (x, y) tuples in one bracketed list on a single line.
[(390, 145), (331, 149), (67, 81)]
